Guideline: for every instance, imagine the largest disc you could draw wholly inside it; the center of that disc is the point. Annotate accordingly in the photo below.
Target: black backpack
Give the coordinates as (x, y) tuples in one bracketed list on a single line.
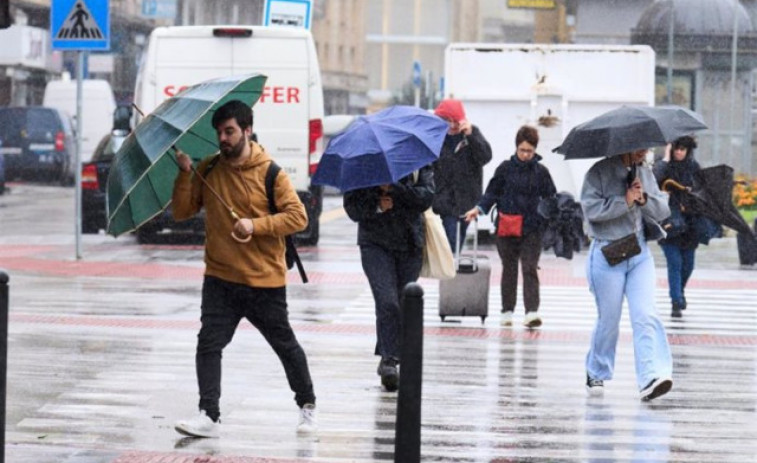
[(292, 257)]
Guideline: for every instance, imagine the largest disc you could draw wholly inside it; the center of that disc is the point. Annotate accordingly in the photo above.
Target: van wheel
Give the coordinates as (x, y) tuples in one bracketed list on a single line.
[(67, 180), (146, 236), (313, 233), (88, 227)]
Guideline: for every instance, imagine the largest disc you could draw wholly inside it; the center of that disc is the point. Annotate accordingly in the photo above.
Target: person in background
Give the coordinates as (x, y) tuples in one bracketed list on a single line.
[(681, 242), (458, 174), (391, 237), (245, 267), (617, 194), (517, 187)]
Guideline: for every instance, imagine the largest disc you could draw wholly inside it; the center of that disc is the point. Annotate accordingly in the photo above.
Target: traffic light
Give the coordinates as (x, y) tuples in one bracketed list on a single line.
[(5, 14)]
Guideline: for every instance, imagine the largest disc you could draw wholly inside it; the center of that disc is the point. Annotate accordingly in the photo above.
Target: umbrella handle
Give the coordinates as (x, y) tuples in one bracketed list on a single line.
[(234, 235), (669, 184), (241, 240)]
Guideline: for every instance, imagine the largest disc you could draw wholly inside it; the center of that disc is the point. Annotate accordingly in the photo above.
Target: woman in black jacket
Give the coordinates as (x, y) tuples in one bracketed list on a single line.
[(391, 237), (681, 242), (517, 187)]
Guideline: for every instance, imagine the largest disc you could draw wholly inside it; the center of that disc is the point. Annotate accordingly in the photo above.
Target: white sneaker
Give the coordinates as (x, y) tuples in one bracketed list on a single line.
[(506, 319), (308, 423), (532, 320), (199, 426)]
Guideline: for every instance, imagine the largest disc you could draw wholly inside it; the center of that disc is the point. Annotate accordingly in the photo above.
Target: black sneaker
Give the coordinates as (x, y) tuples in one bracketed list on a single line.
[(595, 387), (389, 373), (656, 388)]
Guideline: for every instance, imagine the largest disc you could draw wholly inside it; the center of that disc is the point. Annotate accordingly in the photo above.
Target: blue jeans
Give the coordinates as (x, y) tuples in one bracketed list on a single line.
[(450, 229), (388, 272), (633, 279), (224, 304), (680, 266)]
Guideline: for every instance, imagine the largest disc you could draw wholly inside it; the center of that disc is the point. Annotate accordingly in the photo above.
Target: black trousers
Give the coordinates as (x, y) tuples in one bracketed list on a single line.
[(224, 304), (388, 273), (527, 251)]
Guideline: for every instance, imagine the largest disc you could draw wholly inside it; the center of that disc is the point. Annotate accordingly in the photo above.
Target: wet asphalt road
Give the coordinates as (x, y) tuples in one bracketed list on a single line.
[(100, 360)]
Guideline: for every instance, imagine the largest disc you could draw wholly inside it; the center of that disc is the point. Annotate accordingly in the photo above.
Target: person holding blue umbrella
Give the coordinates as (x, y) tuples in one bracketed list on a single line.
[(391, 238), (382, 164)]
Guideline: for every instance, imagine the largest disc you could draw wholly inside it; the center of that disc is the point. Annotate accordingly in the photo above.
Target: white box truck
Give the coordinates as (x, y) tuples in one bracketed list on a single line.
[(551, 87), (289, 115), (98, 104)]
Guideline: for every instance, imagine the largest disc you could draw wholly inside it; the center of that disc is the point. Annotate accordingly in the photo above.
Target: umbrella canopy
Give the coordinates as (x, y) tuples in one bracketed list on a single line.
[(711, 197), (381, 148), (627, 129), (140, 183)]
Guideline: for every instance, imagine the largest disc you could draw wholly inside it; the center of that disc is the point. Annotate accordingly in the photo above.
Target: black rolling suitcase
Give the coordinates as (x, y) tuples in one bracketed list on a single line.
[(467, 294)]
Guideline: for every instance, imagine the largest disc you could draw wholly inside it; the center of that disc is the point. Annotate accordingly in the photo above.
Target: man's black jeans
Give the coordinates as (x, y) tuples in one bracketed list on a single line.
[(224, 304), (388, 272)]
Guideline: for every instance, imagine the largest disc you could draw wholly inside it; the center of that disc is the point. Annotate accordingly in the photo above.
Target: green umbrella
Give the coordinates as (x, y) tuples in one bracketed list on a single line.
[(140, 183)]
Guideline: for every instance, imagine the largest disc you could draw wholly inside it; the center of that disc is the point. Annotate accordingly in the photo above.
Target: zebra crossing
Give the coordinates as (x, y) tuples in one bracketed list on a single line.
[(572, 308)]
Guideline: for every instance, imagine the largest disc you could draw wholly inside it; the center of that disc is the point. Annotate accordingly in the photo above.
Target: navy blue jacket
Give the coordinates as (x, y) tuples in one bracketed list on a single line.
[(517, 187), (401, 227)]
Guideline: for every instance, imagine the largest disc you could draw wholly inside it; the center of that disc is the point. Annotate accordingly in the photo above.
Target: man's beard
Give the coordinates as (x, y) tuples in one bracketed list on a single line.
[(233, 152)]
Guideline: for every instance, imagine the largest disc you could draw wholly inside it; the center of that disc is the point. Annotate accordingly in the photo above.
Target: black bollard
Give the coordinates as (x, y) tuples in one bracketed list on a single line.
[(3, 356), (407, 432)]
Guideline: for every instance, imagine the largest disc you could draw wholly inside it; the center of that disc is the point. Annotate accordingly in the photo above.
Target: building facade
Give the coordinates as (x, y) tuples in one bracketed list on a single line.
[(27, 61), (339, 34)]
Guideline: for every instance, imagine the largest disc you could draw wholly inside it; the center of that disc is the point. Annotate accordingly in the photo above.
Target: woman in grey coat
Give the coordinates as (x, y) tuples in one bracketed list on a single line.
[(619, 194)]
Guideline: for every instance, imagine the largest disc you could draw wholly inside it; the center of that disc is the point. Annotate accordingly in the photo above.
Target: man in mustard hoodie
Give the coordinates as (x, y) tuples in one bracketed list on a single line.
[(245, 267)]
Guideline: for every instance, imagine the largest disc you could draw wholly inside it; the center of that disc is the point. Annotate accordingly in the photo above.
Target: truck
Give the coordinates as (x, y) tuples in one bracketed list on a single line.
[(288, 117), (553, 87)]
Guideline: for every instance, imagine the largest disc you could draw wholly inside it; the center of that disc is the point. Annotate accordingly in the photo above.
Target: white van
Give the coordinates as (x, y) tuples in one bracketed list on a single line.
[(289, 115), (98, 104)]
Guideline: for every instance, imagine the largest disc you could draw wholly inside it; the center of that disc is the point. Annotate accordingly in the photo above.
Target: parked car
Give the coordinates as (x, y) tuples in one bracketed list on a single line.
[(2, 170), (94, 179), (38, 144)]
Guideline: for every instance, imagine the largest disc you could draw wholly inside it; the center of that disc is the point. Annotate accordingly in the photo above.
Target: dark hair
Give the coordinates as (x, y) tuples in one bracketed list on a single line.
[(234, 109), (529, 134), (686, 142)]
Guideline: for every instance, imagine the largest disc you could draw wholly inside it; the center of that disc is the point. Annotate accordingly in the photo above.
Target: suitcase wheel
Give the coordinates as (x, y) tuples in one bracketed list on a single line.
[(483, 319), (442, 317)]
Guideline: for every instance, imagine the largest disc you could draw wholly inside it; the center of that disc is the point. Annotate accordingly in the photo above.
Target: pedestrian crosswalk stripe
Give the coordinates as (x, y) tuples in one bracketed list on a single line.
[(79, 24), (572, 309)]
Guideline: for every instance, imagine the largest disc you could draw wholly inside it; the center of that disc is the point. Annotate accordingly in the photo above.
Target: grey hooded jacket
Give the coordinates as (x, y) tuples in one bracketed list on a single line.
[(603, 200)]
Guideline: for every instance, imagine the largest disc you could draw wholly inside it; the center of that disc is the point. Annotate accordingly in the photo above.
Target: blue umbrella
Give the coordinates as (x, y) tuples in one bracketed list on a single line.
[(381, 148)]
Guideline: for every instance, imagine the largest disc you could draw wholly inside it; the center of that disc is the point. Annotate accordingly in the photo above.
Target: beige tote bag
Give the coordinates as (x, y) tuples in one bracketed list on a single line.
[(438, 261)]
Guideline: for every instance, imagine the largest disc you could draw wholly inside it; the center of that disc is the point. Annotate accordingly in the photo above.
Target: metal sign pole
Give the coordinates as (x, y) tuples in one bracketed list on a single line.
[(77, 162)]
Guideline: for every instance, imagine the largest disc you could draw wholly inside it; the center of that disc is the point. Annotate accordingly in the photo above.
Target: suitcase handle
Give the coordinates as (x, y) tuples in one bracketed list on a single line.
[(471, 265)]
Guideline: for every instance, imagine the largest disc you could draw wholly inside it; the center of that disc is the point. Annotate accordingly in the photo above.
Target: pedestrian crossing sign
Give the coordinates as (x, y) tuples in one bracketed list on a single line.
[(80, 24)]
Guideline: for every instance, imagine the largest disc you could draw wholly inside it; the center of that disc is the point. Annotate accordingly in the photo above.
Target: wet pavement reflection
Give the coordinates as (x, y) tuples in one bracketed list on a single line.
[(101, 361)]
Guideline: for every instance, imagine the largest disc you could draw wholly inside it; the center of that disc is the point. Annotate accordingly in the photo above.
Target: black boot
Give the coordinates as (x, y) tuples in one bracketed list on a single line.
[(390, 376), (676, 311)]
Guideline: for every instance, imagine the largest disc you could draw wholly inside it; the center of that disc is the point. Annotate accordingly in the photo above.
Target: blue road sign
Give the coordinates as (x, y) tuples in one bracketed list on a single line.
[(80, 24), (417, 73)]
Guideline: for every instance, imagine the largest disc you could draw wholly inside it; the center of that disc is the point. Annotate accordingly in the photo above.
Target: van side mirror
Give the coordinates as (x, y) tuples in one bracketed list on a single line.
[(122, 118)]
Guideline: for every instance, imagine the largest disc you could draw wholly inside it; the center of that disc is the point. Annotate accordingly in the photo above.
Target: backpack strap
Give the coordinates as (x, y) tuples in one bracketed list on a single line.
[(211, 164), (291, 250)]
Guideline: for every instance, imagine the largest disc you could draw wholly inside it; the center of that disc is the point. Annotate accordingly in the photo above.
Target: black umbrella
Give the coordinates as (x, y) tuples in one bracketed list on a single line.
[(711, 197), (627, 129)]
